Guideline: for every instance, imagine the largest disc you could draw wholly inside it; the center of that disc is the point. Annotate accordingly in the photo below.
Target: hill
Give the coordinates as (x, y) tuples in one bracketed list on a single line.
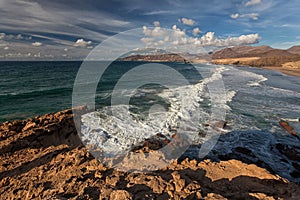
[(259, 56), (294, 49), (241, 51)]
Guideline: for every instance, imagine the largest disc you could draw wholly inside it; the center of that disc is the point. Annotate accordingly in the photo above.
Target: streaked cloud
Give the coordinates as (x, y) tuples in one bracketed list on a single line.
[(59, 24), (253, 16)]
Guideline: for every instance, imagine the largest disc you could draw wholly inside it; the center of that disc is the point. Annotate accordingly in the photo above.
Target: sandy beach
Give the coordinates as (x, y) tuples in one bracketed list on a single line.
[(292, 69), (291, 72)]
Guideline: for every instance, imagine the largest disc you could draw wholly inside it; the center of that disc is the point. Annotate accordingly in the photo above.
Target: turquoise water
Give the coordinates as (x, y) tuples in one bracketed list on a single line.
[(28, 89)]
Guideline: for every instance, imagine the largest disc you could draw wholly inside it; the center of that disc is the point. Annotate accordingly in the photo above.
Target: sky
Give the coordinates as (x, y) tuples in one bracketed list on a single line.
[(70, 29)]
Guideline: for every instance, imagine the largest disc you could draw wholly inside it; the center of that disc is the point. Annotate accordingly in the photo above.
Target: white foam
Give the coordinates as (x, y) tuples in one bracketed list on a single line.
[(116, 134), (291, 120)]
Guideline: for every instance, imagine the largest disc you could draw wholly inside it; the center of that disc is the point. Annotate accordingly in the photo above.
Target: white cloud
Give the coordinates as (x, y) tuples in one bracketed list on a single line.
[(37, 44), (83, 43), (253, 2), (155, 32), (196, 31), (19, 37), (13, 37), (156, 23), (253, 16), (176, 38), (235, 16), (186, 21), (209, 39), (2, 36)]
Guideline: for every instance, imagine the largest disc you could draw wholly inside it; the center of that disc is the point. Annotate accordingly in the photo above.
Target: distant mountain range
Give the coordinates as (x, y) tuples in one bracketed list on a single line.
[(168, 57), (258, 56)]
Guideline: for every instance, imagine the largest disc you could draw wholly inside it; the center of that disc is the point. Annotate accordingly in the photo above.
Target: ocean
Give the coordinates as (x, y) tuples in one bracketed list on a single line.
[(256, 100)]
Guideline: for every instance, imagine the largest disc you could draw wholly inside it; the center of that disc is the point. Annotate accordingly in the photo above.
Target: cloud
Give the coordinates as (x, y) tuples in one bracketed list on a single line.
[(186, 21), (52, 18), (253, 16), (37, 44), (160, 12), (253, 2), (156, 23), (235, 16), (155, 32), (83, 43), (19, 37), (196, 31), (176, 39), (4, 36), (209, 39)]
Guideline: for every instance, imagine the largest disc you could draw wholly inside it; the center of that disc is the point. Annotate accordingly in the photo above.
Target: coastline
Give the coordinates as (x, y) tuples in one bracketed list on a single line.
[(43, 157), (290, 72)]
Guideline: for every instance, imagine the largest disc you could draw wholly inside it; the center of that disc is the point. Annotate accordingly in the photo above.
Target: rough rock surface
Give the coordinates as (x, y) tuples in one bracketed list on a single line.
[(43, 158)]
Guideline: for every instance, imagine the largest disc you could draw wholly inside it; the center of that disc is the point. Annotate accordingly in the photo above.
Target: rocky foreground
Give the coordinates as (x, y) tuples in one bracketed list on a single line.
[(43, 158)]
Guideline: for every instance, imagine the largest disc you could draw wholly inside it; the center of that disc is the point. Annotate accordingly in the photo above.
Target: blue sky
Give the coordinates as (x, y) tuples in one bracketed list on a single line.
[(71, 28)]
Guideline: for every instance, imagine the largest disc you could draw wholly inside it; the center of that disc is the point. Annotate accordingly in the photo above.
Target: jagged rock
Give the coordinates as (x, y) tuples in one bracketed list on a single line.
[(154, 143), (29, 125), (216, 124), (120, 194), (287, 127)]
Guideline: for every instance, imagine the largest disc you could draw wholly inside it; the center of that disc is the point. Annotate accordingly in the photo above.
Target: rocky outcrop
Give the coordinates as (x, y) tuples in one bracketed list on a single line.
[(288, 128), (43, 158)]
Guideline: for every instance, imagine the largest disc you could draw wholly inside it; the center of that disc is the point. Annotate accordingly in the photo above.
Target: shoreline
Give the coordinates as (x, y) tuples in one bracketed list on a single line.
[(294, 72), (288, 70), (44, 157)]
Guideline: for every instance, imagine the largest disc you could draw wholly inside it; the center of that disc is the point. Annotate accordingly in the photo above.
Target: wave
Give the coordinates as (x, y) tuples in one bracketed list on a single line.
[(115, 130)]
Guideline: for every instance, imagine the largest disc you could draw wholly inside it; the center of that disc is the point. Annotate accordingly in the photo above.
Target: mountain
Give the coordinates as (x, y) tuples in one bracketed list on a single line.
[(169, 57), (277, 53), (155, 58), (257, 56), (241, 51), (225, 53), (294, 49)]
